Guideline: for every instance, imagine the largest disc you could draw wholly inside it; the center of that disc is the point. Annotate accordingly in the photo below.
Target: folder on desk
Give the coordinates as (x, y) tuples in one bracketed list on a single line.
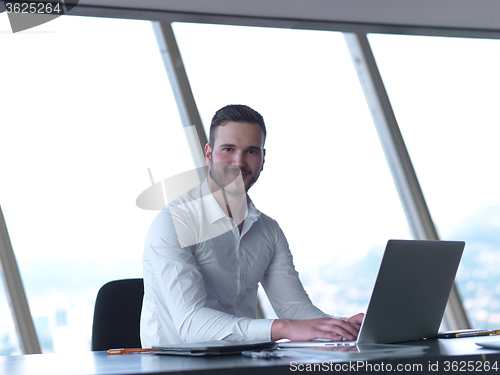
[(215, 347)]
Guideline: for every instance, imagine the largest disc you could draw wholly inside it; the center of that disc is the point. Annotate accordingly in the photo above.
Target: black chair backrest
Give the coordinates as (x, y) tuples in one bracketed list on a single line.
[(117, 315)]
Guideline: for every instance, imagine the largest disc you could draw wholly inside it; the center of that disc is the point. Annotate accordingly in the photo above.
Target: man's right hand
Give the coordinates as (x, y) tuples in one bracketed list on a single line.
[(319, 328)]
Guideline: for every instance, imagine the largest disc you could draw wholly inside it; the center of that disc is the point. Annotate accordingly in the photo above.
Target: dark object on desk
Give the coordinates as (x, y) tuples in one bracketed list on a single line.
[(410, 294), (411, 291), (117, 315), (266, 354), (216, 347)]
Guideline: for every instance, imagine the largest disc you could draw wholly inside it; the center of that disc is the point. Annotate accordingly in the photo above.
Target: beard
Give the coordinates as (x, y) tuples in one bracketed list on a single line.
[(230, 178)]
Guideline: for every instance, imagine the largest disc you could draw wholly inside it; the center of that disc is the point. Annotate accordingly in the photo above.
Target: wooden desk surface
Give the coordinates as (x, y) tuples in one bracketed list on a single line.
[(452, 351)]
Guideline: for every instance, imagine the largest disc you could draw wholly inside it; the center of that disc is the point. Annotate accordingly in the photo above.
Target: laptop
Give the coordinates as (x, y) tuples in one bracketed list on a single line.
[(410, 294)]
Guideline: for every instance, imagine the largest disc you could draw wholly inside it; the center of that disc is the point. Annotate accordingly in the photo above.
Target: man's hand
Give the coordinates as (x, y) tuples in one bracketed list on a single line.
[(356, 320), (319, 328)]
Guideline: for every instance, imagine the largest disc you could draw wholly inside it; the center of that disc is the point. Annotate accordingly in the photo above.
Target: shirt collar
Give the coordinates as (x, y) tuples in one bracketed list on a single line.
[(253, 212), (211, 208), (214, 212)]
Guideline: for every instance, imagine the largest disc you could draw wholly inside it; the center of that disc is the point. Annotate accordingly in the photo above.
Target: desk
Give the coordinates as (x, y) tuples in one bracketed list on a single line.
[(100, 363)]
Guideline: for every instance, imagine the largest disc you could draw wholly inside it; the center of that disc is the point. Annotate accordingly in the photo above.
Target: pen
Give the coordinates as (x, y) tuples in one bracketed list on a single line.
[(123, 351), (480, 333)]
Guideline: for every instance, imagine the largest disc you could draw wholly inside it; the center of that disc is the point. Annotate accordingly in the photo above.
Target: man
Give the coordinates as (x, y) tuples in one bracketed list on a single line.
[(207, 251)]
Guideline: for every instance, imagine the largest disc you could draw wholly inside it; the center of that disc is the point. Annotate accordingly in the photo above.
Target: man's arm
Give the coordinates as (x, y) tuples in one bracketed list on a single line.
[(299, 318), (282, 284), (179, 292)]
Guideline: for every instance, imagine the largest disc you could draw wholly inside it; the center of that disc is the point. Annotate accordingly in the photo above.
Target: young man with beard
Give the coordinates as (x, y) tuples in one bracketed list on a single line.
[(207, 251)]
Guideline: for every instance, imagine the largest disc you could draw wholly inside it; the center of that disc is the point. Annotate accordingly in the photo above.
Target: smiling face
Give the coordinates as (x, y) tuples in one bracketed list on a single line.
[(236, 158)]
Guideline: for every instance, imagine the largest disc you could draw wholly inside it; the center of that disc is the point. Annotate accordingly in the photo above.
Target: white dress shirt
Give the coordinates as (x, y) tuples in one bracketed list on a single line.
[(201, 275)]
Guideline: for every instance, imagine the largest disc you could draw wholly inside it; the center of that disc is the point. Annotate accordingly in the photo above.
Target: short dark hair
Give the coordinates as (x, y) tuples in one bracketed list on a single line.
[(236, 113)]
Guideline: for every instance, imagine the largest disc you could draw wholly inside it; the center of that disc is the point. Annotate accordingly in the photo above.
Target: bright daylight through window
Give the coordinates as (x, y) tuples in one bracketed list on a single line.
[(444, 92), (325, 178), (77, 142)]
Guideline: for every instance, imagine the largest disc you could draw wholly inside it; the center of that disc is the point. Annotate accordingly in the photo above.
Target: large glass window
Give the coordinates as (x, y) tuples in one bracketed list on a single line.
[(445, 96), (87, 108), (325, 178), (9, 344)]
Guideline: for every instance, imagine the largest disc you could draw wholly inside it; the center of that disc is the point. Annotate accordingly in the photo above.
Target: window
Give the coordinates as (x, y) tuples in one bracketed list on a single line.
[(445, 96), (79, 130), (9, 344), (325, 178)]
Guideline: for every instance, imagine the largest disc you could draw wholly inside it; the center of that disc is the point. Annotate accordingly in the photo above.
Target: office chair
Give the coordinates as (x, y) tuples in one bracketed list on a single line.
[(117, 315)]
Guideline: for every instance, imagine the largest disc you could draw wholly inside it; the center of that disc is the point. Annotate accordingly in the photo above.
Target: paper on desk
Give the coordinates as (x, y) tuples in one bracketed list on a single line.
[(362, 351)]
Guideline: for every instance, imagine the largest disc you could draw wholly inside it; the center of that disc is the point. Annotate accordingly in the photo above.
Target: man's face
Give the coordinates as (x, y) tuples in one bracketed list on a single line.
[(237, 157)]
